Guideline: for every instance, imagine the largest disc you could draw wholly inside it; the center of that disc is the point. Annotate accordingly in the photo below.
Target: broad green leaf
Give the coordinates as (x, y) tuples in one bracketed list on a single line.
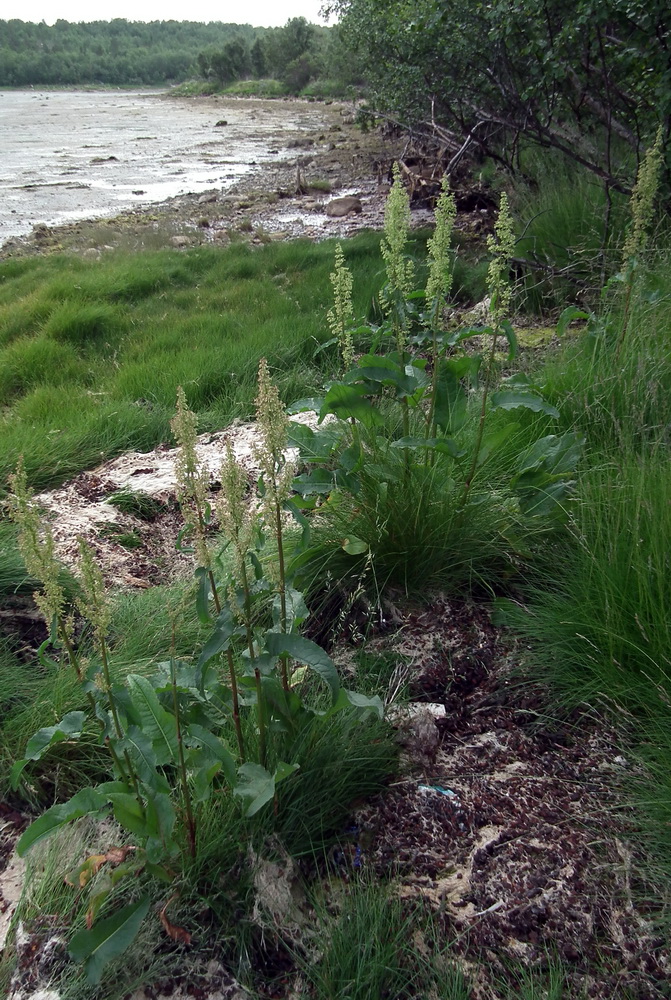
[(129, 813), (553, 453), (568, 316), (215, 747), (385, 372), (363, 703), (443, 445), (257, 785), (451, 401), (319, 481), (297, 609), (509, 334), (70, 727), (187, 677), (347, 401), (220, 639), (285, 707), (108, 939), (511, 400), (87, 800), (314, 446), (355, 546), (156, 723), (313, 404), (352, 458), (203, 596), (467, 333), (161, 819), (284, 770), (546, 501), (305, 651), (202, 778), (138, 745), (386, 362)]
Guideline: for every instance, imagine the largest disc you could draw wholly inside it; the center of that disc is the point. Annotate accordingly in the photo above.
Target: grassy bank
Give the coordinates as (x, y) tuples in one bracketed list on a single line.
[(548, 493), (91, 354), (320, 90)]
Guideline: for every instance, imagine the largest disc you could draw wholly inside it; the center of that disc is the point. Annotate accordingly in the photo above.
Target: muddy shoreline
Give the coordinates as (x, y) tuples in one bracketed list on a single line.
[(281, 199)]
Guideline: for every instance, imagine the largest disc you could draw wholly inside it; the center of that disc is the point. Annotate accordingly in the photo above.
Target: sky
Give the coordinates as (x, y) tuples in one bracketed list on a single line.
[(260, 13)]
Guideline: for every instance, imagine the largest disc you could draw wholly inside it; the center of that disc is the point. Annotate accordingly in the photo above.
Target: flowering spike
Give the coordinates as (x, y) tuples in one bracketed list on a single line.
[(36, 544), (273, 422), (93, 603), (440, 271), (236, 517), (341, 317), (643, 199), (502, 248), (400, 270), (193, 479)]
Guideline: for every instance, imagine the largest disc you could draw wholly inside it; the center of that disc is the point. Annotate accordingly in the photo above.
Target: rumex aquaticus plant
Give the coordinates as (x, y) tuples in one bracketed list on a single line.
[(167, 733), (428, 391)]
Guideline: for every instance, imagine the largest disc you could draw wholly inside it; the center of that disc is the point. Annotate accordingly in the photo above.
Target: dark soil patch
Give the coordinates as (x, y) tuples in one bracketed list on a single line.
[(513, 826)]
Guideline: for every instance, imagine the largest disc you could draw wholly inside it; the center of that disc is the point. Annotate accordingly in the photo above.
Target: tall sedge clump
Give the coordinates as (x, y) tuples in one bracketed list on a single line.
[(439, 282), (36, 544), (276, 475), (237, 522), (400, 270), (642, 214), (193, 484), (341, 316), (502, 248)]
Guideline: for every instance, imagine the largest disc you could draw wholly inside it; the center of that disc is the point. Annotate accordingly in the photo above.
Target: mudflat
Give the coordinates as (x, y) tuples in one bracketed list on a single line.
[(79, 155)]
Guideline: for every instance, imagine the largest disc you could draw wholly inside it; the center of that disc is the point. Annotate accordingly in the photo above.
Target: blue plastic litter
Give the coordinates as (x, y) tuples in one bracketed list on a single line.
[(436, 788)]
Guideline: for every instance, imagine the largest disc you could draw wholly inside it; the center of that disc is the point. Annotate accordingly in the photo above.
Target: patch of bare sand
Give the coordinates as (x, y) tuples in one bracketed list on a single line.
[(12, 873), (80, 507)]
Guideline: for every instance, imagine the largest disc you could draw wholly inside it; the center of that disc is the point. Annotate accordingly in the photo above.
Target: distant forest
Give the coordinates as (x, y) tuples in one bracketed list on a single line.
[(132, 53)]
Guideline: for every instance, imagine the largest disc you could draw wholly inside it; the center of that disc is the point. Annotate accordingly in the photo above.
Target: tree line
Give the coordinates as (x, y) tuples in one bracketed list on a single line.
[(118, 52), (131, 53)]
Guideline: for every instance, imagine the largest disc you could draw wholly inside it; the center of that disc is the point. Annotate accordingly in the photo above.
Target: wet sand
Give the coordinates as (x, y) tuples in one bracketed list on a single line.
[(74, 155)]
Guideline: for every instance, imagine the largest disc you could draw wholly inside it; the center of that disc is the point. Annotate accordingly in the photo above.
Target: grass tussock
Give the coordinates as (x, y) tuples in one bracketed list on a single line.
[(91, 354)]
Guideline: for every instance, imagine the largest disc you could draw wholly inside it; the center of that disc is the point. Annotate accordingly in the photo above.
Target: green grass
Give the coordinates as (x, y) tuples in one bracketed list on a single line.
[(14, 579), (419, 536), (136, 503), (565, 225), (34, 696), (596, 609), (256, 88), (92, 353), (602, 619), (370, 950)]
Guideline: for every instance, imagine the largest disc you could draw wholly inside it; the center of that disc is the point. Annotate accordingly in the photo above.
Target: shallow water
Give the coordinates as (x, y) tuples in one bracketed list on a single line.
[(69, 155)]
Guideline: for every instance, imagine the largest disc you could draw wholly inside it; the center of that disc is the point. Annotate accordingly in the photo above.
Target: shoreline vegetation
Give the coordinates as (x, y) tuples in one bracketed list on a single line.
[(381, 706), (297, 58)]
